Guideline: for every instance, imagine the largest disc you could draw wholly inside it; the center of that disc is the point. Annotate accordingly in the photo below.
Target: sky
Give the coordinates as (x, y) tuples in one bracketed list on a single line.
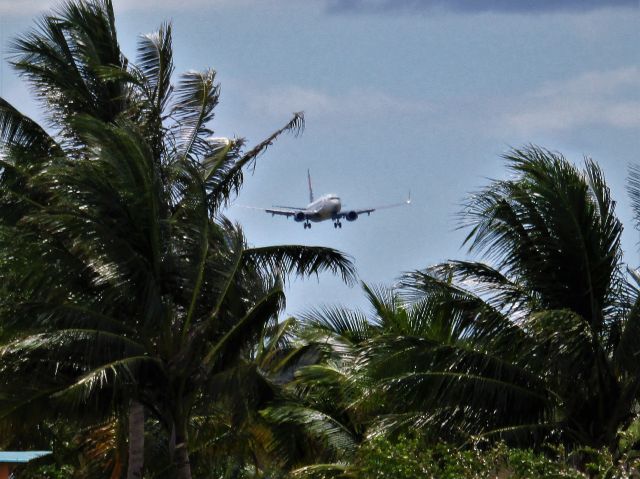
[(398, 95)]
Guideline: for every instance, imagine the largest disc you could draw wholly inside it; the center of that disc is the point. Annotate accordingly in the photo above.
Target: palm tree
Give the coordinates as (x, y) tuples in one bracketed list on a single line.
[(233, 430), (342, 393), (362, 365), (535, 344), (550, 317), (139, 289)]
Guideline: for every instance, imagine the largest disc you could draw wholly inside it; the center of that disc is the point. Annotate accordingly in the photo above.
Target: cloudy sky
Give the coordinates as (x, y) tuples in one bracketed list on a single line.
[(420, 95)]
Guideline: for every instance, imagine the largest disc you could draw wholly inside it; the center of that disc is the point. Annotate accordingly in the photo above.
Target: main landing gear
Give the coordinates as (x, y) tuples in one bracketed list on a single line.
[(337, 224), (307, 225)]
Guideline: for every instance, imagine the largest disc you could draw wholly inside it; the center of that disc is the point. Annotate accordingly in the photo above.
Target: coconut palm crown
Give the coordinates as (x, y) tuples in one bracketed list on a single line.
[(534, 344), (127, 282)]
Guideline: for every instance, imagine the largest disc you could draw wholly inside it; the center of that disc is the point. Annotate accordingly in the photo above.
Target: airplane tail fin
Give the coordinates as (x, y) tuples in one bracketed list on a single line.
[(310, 189)]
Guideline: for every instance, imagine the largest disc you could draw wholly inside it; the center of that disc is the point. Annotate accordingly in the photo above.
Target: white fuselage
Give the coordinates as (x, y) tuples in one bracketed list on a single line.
[(324, 208)]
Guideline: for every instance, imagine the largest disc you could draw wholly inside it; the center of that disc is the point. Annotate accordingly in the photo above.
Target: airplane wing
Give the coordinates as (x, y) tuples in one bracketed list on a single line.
[(348, 212), (286, 211), (345, 213)]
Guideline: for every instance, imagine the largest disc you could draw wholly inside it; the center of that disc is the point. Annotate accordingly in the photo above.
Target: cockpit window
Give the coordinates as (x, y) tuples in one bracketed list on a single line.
[(334, 198)]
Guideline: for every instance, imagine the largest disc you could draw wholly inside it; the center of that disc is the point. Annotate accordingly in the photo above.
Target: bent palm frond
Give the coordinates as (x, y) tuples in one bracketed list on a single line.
[(301, 261)]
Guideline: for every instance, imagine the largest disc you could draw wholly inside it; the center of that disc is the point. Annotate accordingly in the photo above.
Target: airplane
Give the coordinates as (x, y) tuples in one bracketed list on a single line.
[(324, 208)]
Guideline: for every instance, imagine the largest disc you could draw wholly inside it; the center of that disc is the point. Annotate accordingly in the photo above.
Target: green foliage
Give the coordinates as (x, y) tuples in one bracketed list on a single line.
[(50, 471), (126, 281), (380, 458), (123, 281), (411, 458), (535, 344), (524, 463), (630, 437)]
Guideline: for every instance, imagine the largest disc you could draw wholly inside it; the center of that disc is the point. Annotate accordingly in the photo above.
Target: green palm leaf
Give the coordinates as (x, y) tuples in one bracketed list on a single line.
[(19, 132), (300, 260), (196, 97), (155, 60), (342, 323), (225, 176), (319, 426), (63, 56)]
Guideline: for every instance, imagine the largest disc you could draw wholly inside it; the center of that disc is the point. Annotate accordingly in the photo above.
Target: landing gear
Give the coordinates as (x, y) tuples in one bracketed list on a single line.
[(337, 224), (307, 225)]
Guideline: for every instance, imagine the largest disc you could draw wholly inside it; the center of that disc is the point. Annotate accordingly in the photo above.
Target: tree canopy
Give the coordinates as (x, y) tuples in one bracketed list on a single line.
[(142, 334)]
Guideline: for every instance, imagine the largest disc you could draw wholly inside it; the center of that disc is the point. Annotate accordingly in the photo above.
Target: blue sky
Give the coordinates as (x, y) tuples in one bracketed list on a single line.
[(405, 94)]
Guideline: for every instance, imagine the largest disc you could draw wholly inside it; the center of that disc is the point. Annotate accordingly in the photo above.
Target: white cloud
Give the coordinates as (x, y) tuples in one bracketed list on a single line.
[(31, 7), (592, 99), (25, 7), (126, 5), (354, 103), (600, 98)]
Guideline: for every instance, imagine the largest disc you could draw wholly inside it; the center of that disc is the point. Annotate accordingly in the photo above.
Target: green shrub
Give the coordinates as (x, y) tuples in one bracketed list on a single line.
[(409, 458)]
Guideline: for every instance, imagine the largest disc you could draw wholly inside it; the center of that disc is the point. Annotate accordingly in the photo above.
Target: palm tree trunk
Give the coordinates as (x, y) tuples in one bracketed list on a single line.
[(136, 440), (181, 454)]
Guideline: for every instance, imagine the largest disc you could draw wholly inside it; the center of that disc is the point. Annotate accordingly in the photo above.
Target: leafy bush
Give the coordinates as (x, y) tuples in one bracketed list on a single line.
[(50, 471), (409, 458)]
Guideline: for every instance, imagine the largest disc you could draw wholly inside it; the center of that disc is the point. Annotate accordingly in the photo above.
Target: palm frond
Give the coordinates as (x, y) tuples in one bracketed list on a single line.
[(228, 269), (499, 291), (62, 58), (68, 346), (343, 323), (226, 178), (319, 426), (295, 125), (301, 261), (321, 383), (388, 309), (322, 471), (633, 189), (120, 375), (627, 352), (545, 226), (466, 313), (534, 433), (257, 316), (73, 316), (196, 97), (155, 60), (275, 341), (17, 131), (24, 411)]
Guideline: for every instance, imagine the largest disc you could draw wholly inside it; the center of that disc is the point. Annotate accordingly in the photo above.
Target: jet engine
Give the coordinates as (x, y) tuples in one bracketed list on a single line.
[(351, 216), (299, 216)]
